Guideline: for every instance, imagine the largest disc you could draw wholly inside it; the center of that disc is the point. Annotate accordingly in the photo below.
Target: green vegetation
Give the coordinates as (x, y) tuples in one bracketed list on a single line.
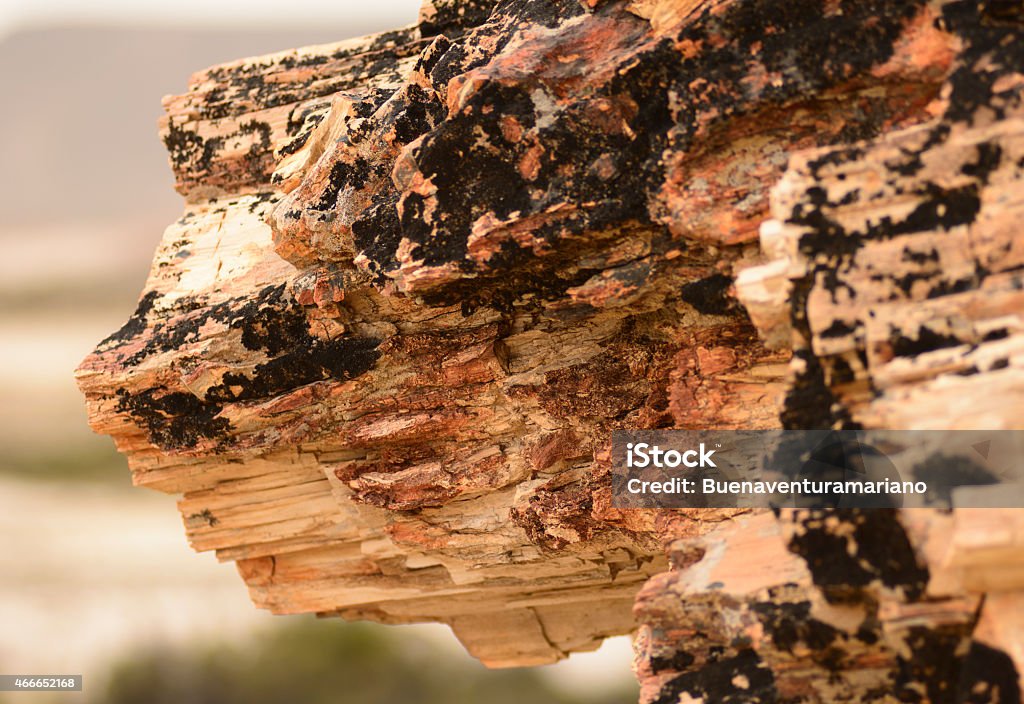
[(95, 460), (329, 662)]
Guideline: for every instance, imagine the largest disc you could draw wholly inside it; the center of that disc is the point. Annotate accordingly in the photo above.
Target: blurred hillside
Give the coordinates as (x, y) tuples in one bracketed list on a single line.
[(79, 132)]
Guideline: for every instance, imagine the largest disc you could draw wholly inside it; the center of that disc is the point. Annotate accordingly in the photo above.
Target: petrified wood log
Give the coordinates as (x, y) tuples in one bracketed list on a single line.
[(895, 275), (422, 276)]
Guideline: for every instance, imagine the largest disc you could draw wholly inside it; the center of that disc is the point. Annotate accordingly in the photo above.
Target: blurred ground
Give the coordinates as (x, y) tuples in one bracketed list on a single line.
[(96, 577)]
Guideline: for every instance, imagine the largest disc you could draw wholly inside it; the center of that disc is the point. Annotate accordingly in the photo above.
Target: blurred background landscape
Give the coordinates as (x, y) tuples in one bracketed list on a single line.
[(96, 577)]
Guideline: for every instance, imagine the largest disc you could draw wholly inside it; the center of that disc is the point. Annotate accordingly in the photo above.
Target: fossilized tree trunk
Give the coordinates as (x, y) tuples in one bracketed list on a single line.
[(421, 276)]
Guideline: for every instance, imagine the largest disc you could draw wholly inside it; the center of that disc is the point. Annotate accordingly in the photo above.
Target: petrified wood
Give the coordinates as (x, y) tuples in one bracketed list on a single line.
[(422, 276)]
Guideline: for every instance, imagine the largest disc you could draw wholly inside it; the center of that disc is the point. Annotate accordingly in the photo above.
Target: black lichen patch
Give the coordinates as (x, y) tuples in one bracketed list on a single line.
[(206, 515), (989, 158), (485, 180), (741, 678), (988, 676), (927, 340), (838, 328), (136, 324), (994, 48), (676, 662), (174, 420), (343, 358), (846, 550), (920, 258), (454, 16), (809, 404), (932, 670), (943, 472), (187, 148), (710, 296), (271, 323), (940, 209), (790, 624)]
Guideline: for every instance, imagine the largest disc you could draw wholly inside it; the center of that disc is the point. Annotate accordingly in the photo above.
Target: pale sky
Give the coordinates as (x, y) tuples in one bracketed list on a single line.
[(238, 14)]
